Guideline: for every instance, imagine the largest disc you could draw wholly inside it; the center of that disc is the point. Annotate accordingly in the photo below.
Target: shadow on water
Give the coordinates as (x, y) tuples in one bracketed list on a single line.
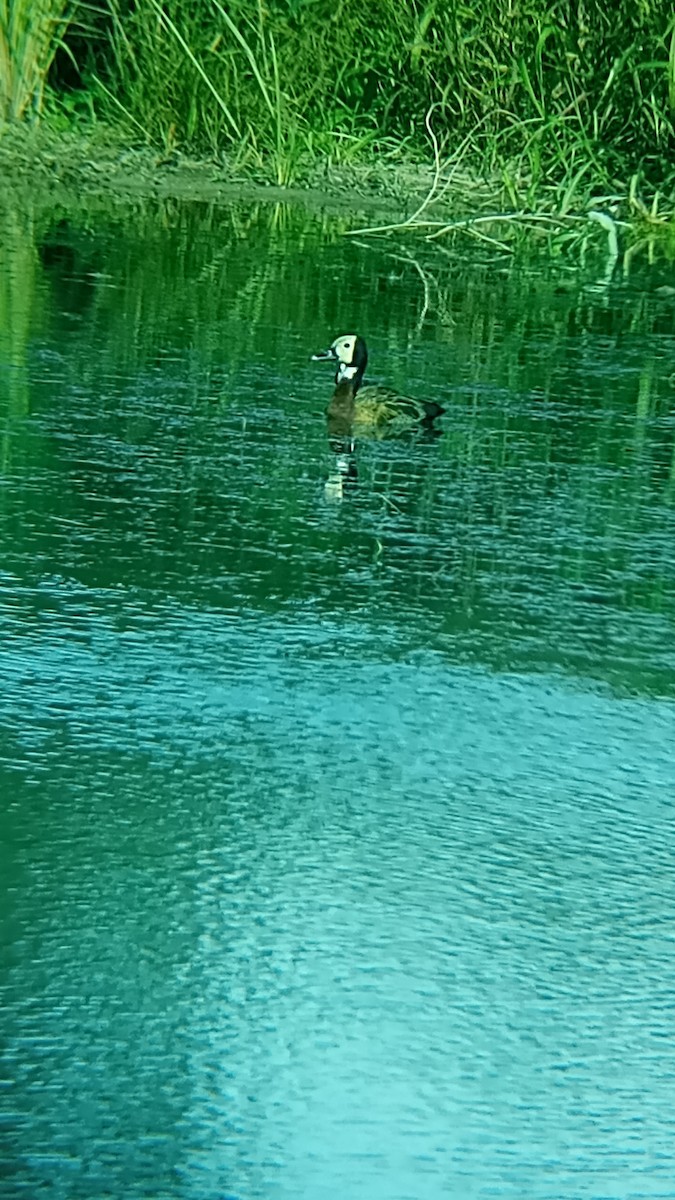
[(337, 829)]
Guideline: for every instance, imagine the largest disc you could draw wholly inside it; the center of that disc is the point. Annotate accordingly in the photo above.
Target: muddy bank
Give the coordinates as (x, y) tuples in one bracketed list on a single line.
[(99, 161)]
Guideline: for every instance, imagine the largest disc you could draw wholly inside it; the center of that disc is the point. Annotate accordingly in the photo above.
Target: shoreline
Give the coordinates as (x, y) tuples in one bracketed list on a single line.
[(98, 160), (96, 163)]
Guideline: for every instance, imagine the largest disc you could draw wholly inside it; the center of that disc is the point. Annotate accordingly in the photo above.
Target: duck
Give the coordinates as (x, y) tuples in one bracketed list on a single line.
[(373, 407)]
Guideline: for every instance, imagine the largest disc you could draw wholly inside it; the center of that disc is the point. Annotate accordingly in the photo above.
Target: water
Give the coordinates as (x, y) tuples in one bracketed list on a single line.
[(337, 833)]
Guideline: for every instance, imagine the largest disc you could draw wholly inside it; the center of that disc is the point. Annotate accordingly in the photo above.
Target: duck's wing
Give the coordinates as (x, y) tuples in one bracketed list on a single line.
[(393, 405)]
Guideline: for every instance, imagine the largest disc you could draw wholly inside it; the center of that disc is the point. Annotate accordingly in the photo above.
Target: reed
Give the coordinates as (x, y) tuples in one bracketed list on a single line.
[(570, 95), (31, 32)]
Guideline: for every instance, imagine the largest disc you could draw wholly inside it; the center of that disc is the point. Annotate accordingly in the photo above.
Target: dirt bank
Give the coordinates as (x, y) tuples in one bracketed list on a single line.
[(97, 161)]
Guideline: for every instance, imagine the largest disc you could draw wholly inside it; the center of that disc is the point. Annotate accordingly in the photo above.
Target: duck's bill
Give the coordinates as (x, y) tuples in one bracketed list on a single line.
[(323, 355)]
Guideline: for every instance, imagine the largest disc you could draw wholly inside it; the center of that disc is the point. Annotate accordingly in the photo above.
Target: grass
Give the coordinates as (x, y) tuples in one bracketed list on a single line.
[(31, 32), (555, 104)]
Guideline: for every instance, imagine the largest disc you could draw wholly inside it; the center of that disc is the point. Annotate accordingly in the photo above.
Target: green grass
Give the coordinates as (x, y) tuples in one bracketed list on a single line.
[(567, 100), (31, 32)]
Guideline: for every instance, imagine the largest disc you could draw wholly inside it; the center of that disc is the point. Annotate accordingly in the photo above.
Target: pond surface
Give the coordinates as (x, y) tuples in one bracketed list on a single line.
[(338, 851)]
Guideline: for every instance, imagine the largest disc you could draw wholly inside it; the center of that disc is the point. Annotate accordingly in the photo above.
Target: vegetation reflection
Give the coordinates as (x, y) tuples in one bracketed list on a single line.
[(182, 438)]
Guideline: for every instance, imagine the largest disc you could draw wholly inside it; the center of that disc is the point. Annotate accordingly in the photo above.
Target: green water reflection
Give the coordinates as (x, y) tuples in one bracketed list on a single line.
[(169, 404), (336, 832)]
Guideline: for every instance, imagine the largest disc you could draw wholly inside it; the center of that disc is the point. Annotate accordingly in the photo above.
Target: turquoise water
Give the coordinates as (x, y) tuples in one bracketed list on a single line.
[(337, 825)]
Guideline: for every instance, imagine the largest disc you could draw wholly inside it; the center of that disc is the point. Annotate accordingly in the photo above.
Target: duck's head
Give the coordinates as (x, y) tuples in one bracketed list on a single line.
[(350, 353)]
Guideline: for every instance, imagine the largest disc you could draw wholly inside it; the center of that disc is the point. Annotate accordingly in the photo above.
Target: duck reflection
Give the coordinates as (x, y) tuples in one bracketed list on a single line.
[(343, 475)]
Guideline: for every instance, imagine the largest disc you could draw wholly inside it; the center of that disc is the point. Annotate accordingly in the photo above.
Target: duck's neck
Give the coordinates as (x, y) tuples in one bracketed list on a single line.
[(349, 373), (340, 411), (342, 400)]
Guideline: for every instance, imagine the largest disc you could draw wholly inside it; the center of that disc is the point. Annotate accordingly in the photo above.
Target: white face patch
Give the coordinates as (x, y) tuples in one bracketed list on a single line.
[(343, 348)]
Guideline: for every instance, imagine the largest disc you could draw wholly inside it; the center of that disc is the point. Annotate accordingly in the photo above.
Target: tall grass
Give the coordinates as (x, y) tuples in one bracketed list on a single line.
[(31, 32), (263, 83), (576, 92), (574, 89)]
